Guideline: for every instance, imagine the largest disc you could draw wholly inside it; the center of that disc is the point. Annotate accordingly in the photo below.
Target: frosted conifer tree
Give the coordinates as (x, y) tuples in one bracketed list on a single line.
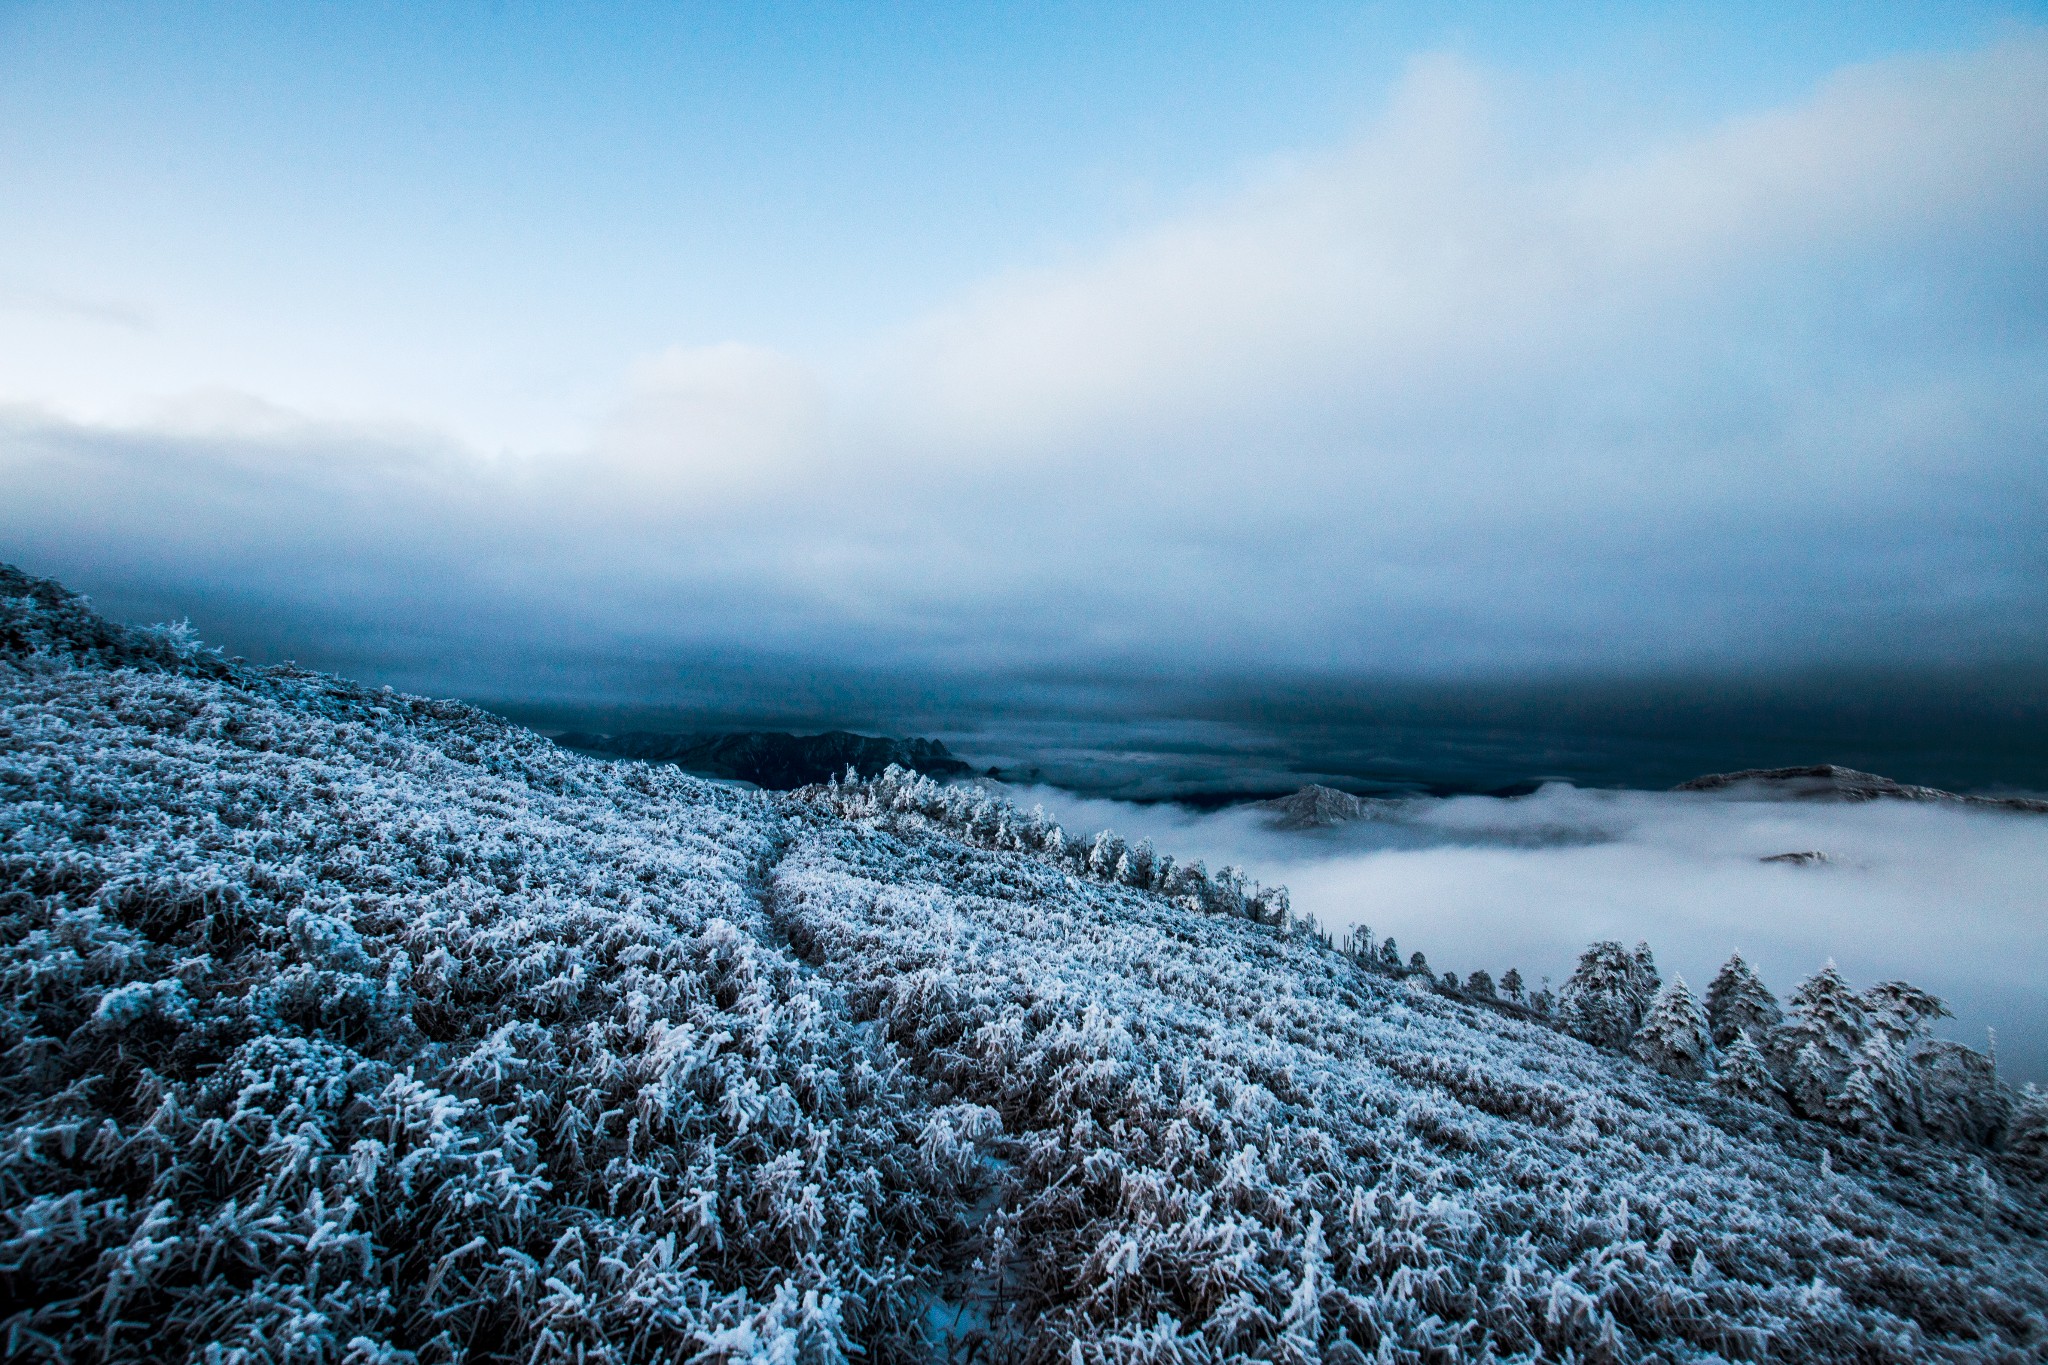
[(1745, 1074), (1604, 1000), (1957, 1093), (1140, 858), (1821, 1040), (1102, 855), (1902, 1012), (1511, 986), (1480, 985), (1646, 980), (1673, 1037), (1739, 1002), (1878, 1092)]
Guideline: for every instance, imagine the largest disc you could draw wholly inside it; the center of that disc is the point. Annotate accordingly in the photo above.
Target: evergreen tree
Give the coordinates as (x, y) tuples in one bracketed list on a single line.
[(1745, 1074), (1605, 998), (1738, 1002), (1271, 906), (1645, 978), (1879, 1091), (1821, 1040), (1229, 891), (1418, 964), (1902, 1012), (1544, 1001), (1958, 1095), (1511, 985), (1390, 956), (1673, 1037), (1102, 855), (1143, 859), (1479, 986)]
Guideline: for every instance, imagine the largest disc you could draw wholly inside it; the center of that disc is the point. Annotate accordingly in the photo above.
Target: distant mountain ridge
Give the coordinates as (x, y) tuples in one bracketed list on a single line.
[(1318, 807), (773, 759), (1831, 782)]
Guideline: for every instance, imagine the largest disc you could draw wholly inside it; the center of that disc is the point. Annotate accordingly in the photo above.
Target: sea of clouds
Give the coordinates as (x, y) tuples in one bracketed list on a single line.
[(1949, 898)]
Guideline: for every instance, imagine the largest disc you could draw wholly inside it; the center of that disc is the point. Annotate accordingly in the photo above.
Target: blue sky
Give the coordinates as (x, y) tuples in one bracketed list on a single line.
[(1398, 338)]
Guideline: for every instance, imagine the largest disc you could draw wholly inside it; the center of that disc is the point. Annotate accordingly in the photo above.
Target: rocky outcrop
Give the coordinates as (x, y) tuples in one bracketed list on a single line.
[(771, 759), (1318, 807), (1830, 782)]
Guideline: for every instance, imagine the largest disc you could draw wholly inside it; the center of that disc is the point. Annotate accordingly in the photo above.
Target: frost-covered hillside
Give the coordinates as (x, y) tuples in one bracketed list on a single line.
[(342, 1025)]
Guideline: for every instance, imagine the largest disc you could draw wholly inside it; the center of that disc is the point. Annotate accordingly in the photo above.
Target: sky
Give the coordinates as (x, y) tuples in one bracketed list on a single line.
[(565, 353)]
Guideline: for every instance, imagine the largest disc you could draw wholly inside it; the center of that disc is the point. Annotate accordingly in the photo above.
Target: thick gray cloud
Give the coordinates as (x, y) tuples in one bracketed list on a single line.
[(1458, 397)]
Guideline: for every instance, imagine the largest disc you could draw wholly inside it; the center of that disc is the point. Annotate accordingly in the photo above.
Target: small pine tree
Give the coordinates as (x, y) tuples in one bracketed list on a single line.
[(1228, 892), (1511, 985), (1745, 1074), (1102, 855), (1958, 1095), (1738, 1002), (1902, 1012), (1142, 859), (1644, 973), (1390, 956), (1821, 1040), (1479, 986), (1604, 1000), (1272, 906), (1673, 1037), (1544, 1002), (1419, 964), (1878, 1093)]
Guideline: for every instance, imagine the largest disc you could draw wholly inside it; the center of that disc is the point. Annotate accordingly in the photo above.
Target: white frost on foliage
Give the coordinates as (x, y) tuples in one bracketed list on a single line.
[(347, 1026)]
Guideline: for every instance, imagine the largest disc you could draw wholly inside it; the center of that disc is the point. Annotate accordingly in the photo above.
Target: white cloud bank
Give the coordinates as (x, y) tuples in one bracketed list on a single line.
[(1458, 395), (1949, 899)]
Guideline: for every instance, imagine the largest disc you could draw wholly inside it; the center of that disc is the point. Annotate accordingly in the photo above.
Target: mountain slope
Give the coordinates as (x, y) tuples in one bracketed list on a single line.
[(347, 1025)]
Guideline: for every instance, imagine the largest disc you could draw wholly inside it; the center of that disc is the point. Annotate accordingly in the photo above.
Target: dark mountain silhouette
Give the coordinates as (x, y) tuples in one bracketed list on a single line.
[(1829, 782), (771, 759)]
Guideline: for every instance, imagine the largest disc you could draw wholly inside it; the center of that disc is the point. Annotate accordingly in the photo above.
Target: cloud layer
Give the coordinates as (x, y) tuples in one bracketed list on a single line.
[(1467, 394)]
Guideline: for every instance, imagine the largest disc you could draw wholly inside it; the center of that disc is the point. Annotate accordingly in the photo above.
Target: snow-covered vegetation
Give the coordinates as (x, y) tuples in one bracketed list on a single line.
[(349, 1026)]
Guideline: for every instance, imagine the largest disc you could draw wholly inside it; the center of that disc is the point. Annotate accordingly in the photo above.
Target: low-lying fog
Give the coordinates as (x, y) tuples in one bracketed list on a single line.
[(1949, 898)]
